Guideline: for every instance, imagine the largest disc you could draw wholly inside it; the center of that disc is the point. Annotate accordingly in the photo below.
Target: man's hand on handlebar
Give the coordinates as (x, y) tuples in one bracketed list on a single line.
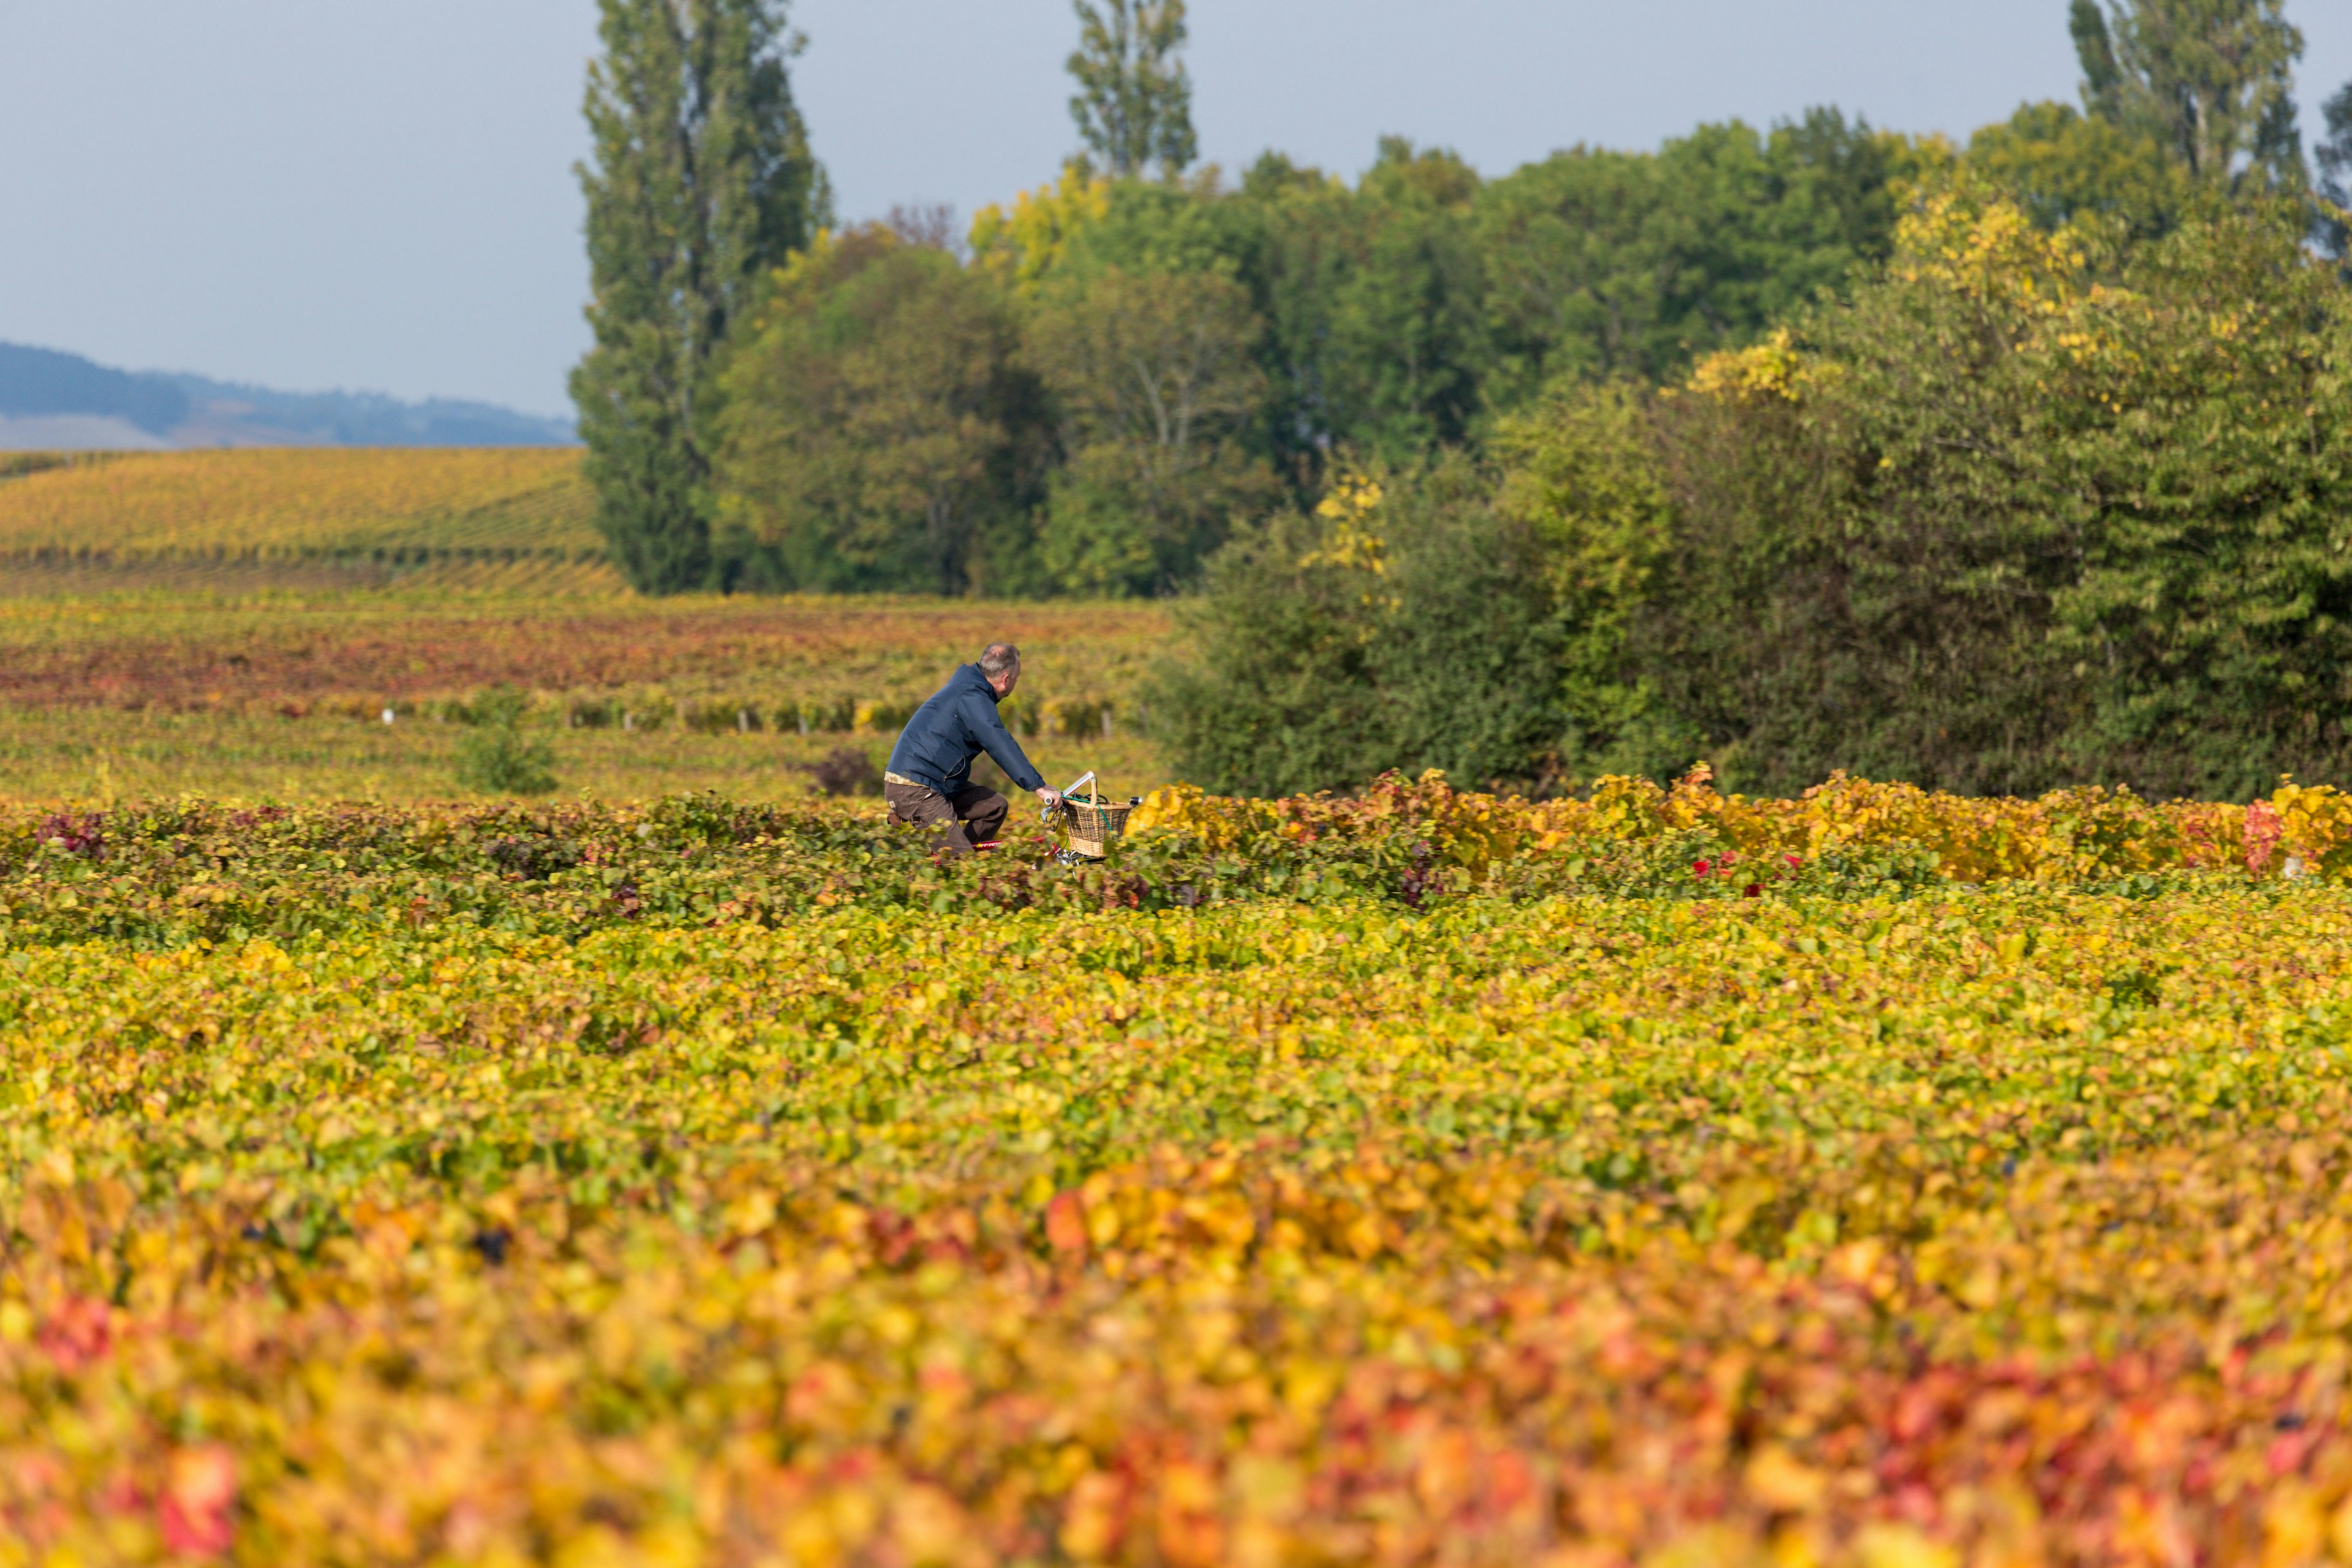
[(1051, 797)]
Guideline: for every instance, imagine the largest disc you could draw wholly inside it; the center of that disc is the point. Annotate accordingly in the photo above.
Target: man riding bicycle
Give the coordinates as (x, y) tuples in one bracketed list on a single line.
[(928, 782)]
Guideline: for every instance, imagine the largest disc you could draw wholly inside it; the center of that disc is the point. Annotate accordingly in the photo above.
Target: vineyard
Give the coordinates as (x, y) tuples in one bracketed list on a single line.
[(238, 623), (281, 694), (288, 506), (354, 652), (1878, 1178)]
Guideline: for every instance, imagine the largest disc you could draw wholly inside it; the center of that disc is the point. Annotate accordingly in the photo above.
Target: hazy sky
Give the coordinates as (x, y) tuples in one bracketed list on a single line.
[(317, 194)]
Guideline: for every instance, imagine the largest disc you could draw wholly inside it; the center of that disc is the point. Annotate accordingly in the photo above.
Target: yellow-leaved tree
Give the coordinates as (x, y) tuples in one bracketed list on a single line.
[(1023, 246)]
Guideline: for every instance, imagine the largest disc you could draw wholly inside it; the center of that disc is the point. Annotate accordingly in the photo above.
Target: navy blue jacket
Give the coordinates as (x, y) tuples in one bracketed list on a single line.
[(956, 724)]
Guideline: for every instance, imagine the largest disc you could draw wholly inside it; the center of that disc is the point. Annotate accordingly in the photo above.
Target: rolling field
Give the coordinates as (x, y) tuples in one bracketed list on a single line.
[(235, 624), (1421, 1180), (359, 650), (280, 695), (290, 505)]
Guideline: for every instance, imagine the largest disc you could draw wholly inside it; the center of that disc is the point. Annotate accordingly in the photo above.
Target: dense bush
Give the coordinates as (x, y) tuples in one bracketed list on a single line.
[(2029, 508), (1406, 624), (497, 756), (1578, 471), (2023, 513)]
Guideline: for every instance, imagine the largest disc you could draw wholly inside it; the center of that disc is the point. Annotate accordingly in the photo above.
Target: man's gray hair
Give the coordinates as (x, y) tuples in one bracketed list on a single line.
[(1000, 659)]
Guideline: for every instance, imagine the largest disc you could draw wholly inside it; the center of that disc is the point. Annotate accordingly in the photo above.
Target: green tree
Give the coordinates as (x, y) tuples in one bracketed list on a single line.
[(1579, 472), (1373, 301), (1607, 263), (2065, 167), (702, 181), (2210, 81), (1134, 102), (2334, 156), (1367, 301), (1406, 347), (1294, 236), (1153, 379), (1857, 578), (879, 433), (2212, 613), (1164, 226)]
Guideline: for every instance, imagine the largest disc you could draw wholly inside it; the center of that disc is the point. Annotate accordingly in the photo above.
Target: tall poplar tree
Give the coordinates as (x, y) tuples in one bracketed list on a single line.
[(2334, 156), (2210, 81), (1134, 102), (702, 181)]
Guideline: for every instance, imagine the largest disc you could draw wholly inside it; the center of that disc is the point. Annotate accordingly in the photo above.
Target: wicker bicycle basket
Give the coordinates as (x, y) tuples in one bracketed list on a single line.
[(1092, 820)]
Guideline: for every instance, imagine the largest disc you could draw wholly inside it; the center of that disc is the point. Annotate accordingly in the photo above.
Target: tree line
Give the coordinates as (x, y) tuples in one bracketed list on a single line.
[(1614, 461)]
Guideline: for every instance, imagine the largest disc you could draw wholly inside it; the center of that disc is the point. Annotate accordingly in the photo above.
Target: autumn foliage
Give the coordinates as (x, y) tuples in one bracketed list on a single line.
[(1396, 1180)]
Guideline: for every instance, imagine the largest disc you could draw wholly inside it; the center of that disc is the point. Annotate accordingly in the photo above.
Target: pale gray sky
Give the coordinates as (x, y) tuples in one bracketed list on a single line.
[(319, 193)]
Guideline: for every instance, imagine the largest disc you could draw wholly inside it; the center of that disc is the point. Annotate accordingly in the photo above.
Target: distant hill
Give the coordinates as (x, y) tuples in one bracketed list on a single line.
[(60, 401)]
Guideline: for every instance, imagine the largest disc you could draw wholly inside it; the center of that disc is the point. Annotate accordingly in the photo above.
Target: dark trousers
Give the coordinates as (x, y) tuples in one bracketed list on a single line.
[(982, 808)]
